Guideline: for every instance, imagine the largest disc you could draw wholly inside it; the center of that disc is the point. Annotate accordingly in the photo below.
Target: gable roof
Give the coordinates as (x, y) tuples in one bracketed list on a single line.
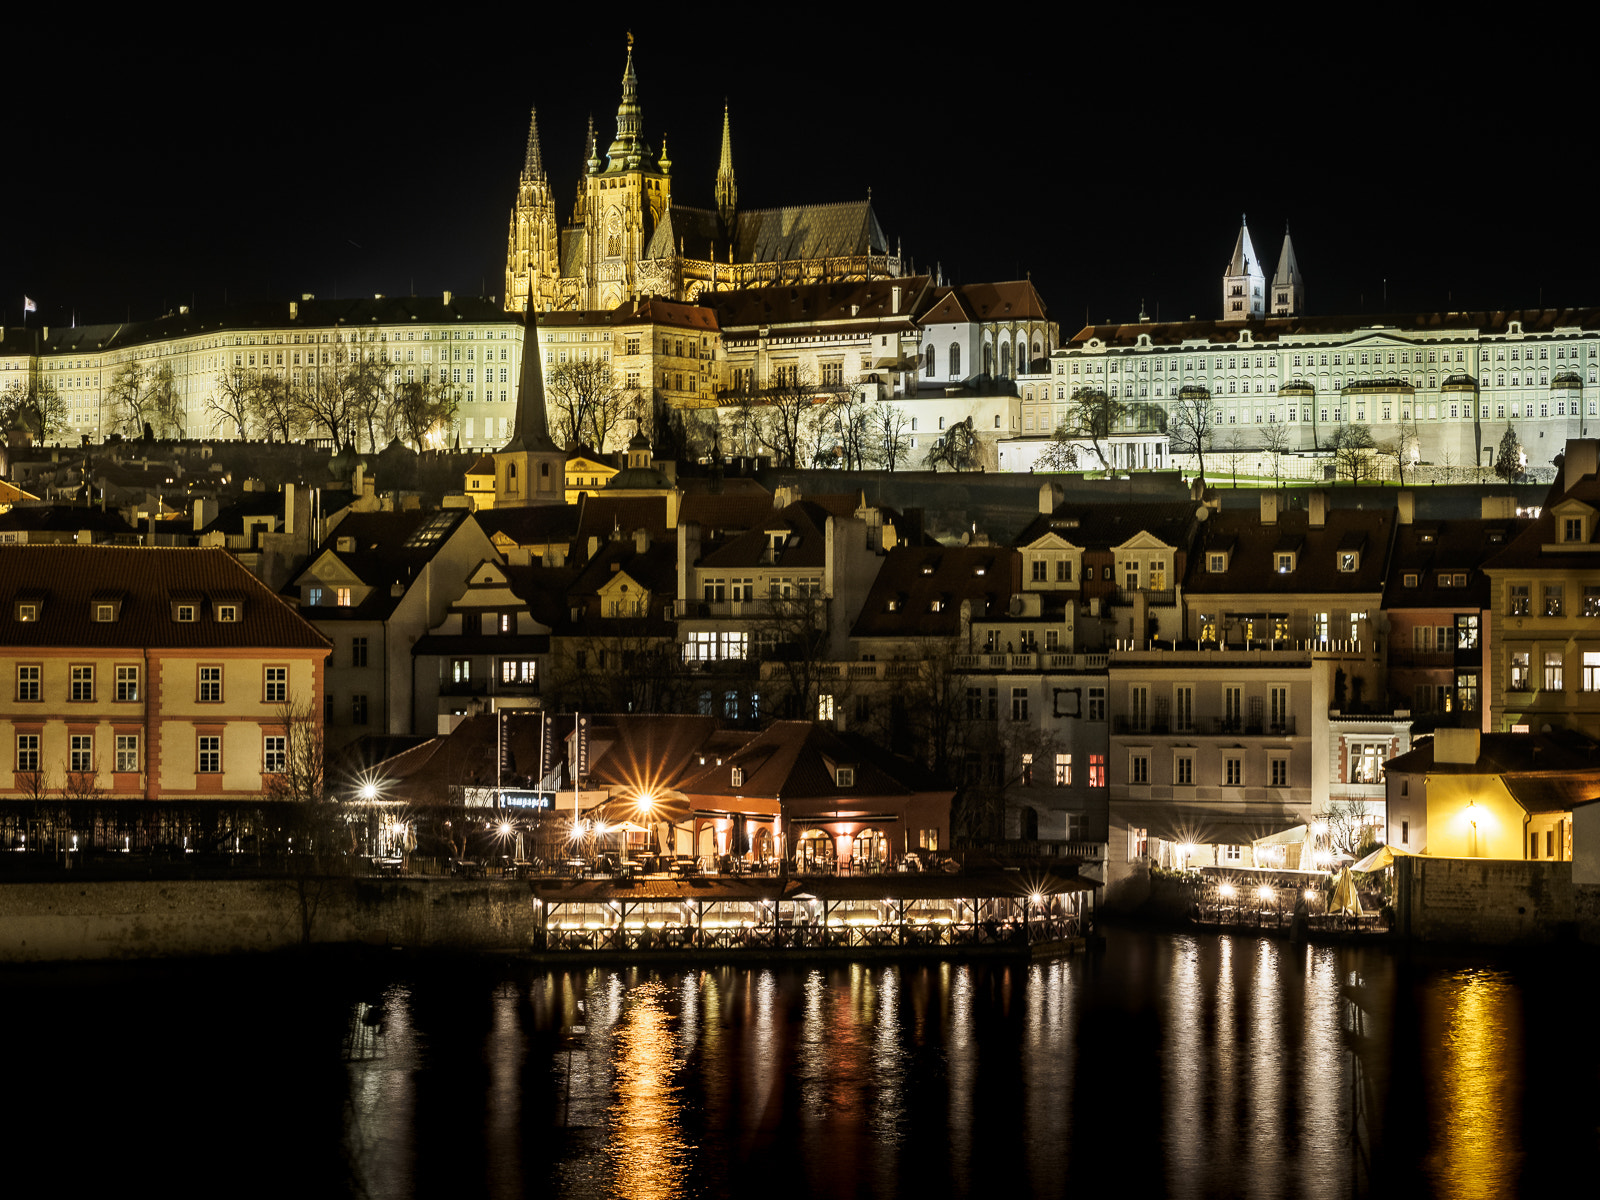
[(65, 579)]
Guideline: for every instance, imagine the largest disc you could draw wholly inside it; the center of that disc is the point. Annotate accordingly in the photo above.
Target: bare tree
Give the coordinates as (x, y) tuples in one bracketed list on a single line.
[(891, 439), (300, 777), (1274, 441), (33, 404), (233, 399), (1093, 416), (847, 419), (585, 403), (274, 409), (1191, 423), (1233, 452), (1352, 447), (143, 396), (1061, 454), (957, 449), (786, 422), (422, 410), (1349, 826), (326, 400), (1400, 448)]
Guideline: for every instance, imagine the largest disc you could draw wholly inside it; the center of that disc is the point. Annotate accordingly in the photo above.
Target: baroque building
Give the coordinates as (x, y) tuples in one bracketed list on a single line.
[(628, 239), (1442, 387)]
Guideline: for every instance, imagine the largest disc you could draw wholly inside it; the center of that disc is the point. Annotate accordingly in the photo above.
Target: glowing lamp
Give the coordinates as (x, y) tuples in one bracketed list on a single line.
[(1264, 892)]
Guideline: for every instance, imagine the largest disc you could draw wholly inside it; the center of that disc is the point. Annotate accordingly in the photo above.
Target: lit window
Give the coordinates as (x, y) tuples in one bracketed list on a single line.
[(274, 754), (1063, 770), (127, 683), (127, 752), (1097, 770), (210, 685)]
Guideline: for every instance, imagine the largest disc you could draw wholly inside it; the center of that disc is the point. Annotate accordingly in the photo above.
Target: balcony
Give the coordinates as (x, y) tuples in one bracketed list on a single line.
[(1036, 662), (1162, 598), (1160, 726)]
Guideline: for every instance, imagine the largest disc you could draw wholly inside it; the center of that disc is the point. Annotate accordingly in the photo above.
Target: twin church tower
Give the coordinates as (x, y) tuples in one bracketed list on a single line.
[(1244, 286), (627, 239)]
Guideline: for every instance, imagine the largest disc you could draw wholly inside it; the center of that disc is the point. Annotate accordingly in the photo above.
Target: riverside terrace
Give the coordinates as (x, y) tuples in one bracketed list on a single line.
[(999, 912)]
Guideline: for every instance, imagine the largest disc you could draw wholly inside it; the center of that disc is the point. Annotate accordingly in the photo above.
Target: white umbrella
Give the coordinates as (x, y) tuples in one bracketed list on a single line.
[(1380, 858), (1344, 899)]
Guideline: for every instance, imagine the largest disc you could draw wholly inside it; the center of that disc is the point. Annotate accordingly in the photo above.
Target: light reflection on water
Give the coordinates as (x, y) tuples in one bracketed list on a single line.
[(1182, 1066)]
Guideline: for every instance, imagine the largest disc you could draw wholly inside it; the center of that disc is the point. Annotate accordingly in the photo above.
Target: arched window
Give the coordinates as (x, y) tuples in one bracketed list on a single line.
[(988, 360), (1005, 359), (1022, 357), (955, 360), (931, 368)]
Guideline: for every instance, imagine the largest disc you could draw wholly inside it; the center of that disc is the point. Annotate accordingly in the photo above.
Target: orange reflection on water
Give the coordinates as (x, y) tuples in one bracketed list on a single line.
[(1476, 1143), (646, 1143)]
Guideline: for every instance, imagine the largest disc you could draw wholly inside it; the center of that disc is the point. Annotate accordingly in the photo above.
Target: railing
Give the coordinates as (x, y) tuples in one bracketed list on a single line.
[(1045, 660), (1125, 725), (788, 936), (1166, 597), (1040, 848)]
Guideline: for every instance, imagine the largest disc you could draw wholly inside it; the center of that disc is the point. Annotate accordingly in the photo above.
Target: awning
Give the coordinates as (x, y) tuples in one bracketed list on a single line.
[(1293, 836), (1380, 858)]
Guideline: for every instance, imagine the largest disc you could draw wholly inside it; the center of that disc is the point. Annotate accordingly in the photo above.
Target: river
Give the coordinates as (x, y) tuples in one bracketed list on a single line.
[(1164, 1065)]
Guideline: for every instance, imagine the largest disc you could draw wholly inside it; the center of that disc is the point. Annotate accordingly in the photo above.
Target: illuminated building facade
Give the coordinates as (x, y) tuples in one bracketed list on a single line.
[(628, 239), (1445, 384)]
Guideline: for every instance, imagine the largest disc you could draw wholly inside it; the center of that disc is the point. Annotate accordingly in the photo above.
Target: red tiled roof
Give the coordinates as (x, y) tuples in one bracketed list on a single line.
[(65, 578)]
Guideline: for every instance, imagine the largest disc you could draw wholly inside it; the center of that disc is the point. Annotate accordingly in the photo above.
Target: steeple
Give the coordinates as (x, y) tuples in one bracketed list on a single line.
[(1243, 283), (1288, 288), (530, 469), (533, 163), (629, 149), (532, 434), (727, 191)]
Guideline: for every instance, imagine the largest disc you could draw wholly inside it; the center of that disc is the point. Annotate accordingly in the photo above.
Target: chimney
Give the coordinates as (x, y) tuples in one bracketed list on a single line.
[(288, 508), (358, 484), (1319, 510), (1269, 508), (594, 546), (1406, 502), (294, 310), (894, 298), (447, 299), (641, 540), (205, 511), (1582, 458), (1455, 745)]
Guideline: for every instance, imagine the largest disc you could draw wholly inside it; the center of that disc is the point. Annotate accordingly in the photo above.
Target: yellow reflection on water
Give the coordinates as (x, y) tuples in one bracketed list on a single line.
[(1477, 1149), (646, 1143)]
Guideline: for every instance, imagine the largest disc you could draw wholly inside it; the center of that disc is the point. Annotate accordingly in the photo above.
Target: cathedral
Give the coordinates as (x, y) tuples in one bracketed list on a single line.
[(627, 239)]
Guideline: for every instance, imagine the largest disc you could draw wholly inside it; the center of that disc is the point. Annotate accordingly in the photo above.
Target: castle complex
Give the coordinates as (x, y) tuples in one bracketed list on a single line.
[(627, 239)]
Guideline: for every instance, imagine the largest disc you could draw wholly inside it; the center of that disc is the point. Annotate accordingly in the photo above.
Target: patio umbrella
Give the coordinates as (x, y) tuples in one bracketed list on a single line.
[(1380, 858), (1344, 899)]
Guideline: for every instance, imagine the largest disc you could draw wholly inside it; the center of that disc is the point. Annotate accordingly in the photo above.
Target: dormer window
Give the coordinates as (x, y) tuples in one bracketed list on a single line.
[(1285, 563), (736, 777), (1409, 580), (105, 612), (1572, 529), (1349, 560), (927, 568), (227, 614), (844, 777), (27, 612), (1216, 564), (183, 613)]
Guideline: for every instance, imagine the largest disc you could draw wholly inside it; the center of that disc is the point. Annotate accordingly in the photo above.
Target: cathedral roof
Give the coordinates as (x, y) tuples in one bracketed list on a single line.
[(696, 233), (1288, 266), (808, 231), (1244, 260)]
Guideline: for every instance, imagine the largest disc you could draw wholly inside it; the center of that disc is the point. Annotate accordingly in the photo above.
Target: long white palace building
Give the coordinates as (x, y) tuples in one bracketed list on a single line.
[(1453, 380)]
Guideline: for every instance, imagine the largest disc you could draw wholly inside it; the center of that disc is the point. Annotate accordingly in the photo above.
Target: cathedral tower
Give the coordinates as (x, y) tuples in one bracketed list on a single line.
[(1244, 285), (533, 251), (727, 191), (626, 198), (1288, 288)]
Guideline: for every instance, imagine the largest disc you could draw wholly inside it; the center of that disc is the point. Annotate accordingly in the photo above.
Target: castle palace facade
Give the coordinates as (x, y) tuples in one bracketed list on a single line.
[(628, 240)]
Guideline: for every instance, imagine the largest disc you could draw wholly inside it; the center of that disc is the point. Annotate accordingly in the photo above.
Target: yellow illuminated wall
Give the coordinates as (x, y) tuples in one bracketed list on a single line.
[(1473, 816)]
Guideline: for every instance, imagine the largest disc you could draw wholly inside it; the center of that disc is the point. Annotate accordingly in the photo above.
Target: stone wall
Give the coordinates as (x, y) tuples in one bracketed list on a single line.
[(1493, 901), (55, 922)]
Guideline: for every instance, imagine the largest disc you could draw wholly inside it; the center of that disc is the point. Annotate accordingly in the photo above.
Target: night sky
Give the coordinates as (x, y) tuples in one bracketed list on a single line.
[(1110, 158)]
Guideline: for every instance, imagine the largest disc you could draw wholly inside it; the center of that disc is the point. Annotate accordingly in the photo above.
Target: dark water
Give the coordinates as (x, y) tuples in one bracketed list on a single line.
[(1164, 1066)]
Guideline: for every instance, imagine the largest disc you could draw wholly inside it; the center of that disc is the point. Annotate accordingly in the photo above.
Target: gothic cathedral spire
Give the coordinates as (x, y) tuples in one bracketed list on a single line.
[(727, 191), (533, 163), (1288, 288), (532, 252), (1244, 286)]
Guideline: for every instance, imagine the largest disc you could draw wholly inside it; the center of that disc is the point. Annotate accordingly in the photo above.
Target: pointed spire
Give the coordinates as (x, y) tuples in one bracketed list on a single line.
[(727, 191), (532, 433), (628, 149), (1288, 288), (533, 163)]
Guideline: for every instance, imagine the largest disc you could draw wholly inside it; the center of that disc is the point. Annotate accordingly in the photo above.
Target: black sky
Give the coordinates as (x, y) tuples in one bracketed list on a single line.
[(1110, 157)]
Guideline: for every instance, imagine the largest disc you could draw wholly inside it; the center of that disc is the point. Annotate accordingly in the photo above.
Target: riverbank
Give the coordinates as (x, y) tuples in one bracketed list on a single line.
[(998, 914)]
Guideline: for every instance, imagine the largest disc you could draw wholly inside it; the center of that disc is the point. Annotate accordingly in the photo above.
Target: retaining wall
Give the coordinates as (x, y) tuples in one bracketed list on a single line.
[(1493, 901)]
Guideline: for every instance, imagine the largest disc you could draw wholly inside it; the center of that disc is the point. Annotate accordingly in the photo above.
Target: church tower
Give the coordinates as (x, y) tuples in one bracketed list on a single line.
[(1244, 285), (533, 250), (1288, 289), (727, 190), (530, 469), (626, 198)]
